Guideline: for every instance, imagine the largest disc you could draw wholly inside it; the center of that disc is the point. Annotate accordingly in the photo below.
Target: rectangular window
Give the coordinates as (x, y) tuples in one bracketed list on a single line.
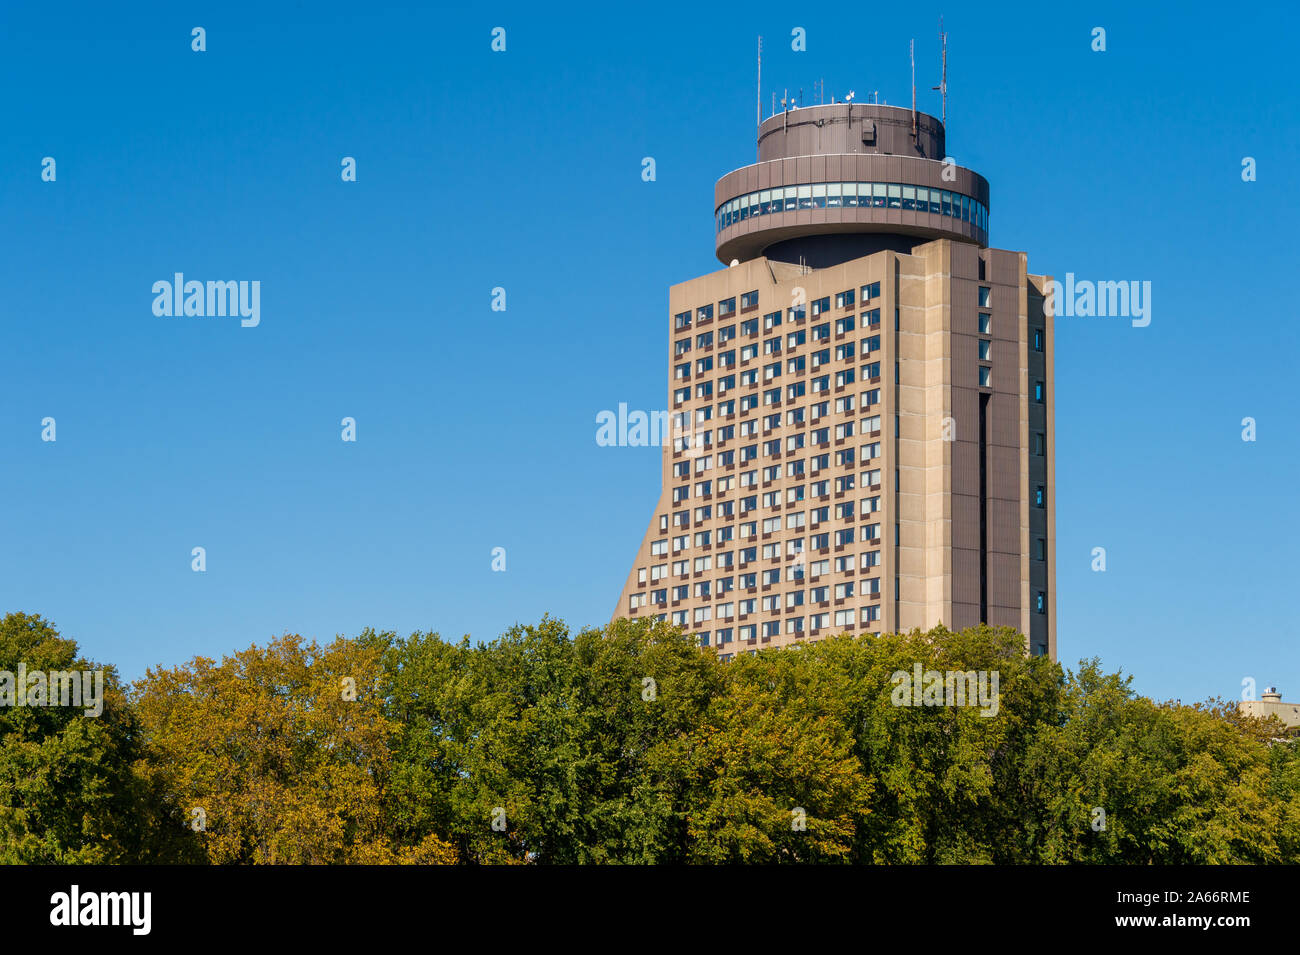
[(1040, 392), (986, 376), (985, 296), (986, 350)]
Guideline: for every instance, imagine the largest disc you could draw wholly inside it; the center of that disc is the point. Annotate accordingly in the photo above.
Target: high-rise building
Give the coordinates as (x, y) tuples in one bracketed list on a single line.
[(861, 402)]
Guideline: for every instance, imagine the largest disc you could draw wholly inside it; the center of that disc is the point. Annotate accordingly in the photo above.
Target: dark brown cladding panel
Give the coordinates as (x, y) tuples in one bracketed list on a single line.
[(966, 575), (850, 128), (809, 169), (1004, 472), (964, 615), (1004, 416), (1004, 581)]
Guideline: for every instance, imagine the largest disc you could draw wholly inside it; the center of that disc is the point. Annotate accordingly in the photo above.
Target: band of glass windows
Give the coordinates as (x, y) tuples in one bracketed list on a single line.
[(854, 195)]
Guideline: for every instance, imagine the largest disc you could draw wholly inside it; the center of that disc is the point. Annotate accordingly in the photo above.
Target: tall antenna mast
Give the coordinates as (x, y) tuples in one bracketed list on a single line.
[(911, 53), (760, 82), (943, 83)]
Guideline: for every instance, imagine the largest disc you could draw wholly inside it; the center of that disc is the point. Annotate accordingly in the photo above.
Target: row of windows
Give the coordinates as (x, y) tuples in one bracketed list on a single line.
[(797, 366), (726, 510), (700, 443), (796, 313), (853, 195), (772, 603), (727, 609), (688, 435), (772, 525), (819, 333), (870, 534), (726, 560), (749, 478), (773, 628), (796, 469)]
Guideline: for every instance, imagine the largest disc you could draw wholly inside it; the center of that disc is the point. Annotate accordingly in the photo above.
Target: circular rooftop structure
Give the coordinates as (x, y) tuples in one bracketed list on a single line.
[(840, 181)]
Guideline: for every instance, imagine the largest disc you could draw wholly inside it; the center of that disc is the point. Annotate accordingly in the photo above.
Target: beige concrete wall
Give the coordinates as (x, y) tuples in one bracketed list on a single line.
[(937, 506)]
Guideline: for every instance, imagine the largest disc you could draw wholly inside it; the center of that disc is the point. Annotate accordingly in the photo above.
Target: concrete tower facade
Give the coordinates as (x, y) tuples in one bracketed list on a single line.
[(861, 402)]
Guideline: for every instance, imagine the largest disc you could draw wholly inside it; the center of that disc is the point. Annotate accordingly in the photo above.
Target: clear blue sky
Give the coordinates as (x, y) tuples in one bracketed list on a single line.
[(522, 170)]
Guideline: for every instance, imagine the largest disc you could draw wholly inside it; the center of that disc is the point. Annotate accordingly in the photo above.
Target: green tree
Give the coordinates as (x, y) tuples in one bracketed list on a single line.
[(283, 749), (1177, 784), (69, 787)]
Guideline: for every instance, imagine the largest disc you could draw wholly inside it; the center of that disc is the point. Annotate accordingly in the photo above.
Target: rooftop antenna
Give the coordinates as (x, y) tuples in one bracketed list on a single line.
[(943, 83), (911, 53), (760, 83)]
